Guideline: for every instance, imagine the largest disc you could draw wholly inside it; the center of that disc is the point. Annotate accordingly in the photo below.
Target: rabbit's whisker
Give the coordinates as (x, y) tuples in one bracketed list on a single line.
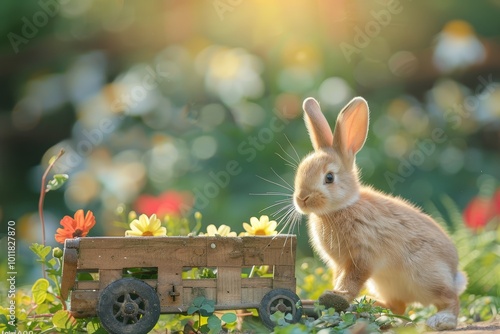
[(288, 162), (280, 211), (294, 162), (295, 220), (283, 216), (290, 219), (282, 179), (294, 150), (272, 193), (276, 183), (280, 202)]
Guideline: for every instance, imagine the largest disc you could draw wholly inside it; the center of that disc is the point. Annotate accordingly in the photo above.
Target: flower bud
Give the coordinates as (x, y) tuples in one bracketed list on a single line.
[(197, 215), (132, 215), (57, 252)]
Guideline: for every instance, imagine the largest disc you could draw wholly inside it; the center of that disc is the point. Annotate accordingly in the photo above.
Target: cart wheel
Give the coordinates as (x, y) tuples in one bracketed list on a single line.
[(128, 306), (282, 300)]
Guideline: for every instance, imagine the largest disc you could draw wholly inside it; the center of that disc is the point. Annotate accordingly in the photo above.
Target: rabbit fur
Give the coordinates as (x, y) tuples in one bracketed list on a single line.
[(369, 237)]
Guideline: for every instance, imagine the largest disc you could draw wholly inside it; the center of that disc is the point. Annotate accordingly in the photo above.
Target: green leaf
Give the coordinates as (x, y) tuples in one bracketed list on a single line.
[(57, 182), (348, 319), (229, 318), (42, 308), (7, 327), (39, 290), (214, 323), (208, 273), (63, 319), (206, 310), (210, 302), (276, 316), (94, 327), (198, 301), (40, 250), (192, 309), (85, 277), (51, 263), (53, 308)]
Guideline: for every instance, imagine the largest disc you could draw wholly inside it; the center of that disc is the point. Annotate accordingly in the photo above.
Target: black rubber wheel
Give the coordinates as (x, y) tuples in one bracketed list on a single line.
[(128, 306), (282, 300)]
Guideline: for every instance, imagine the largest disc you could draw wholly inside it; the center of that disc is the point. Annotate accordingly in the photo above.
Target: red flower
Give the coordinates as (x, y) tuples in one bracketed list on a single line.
[(168, 203), (75, 227), (496, 202), (480, 211)]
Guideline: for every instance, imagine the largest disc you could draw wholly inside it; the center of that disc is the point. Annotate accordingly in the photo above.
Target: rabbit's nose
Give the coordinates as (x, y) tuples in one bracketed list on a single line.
[(304, 199)]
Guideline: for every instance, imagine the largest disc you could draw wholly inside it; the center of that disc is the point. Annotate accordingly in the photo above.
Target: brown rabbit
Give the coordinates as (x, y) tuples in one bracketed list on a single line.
[(368, 236)]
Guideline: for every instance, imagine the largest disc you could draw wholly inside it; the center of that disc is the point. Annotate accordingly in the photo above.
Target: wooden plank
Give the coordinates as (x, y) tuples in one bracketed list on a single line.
[(138, 243), (108, 276), (94, 285), (70, 258), (279, 241), (254, 295), (289, 284), (190, 293), (200, 283), (258, 257), (258, 282), (268, 251), (254, 289), (224, 251), (169, 285), (84, 303), (284, 272), (87, 285), (228, 285), (113, 258)]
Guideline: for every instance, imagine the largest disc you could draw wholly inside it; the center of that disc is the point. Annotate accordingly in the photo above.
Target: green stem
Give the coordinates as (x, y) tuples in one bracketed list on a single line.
[(58, 289), (397, 316), (46, 315), (252, 272), (50, 330), (43, 191)]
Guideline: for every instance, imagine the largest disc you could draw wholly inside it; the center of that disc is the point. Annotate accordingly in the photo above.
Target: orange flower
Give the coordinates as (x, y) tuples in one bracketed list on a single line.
[(75, 227)]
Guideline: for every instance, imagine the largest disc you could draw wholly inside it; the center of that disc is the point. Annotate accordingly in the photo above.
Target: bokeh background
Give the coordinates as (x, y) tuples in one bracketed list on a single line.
[(188, 105)]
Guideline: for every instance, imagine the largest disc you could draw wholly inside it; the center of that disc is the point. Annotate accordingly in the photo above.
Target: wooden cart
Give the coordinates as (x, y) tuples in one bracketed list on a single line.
[(127, 302)]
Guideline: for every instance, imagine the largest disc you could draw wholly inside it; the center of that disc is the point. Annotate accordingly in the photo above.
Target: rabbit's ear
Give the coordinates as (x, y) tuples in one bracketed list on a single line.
[(317, 125), (352, 127)]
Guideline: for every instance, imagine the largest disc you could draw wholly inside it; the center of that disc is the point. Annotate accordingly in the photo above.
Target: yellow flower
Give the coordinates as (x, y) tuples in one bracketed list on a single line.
[(223, 231), (260, 226), (146, 227)]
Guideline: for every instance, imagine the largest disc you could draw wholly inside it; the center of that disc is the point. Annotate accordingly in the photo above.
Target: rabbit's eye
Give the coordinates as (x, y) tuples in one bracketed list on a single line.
[(329, 178)]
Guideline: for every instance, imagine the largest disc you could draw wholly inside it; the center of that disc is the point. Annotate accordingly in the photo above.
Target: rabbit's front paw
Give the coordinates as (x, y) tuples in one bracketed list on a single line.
[(442, 321)]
